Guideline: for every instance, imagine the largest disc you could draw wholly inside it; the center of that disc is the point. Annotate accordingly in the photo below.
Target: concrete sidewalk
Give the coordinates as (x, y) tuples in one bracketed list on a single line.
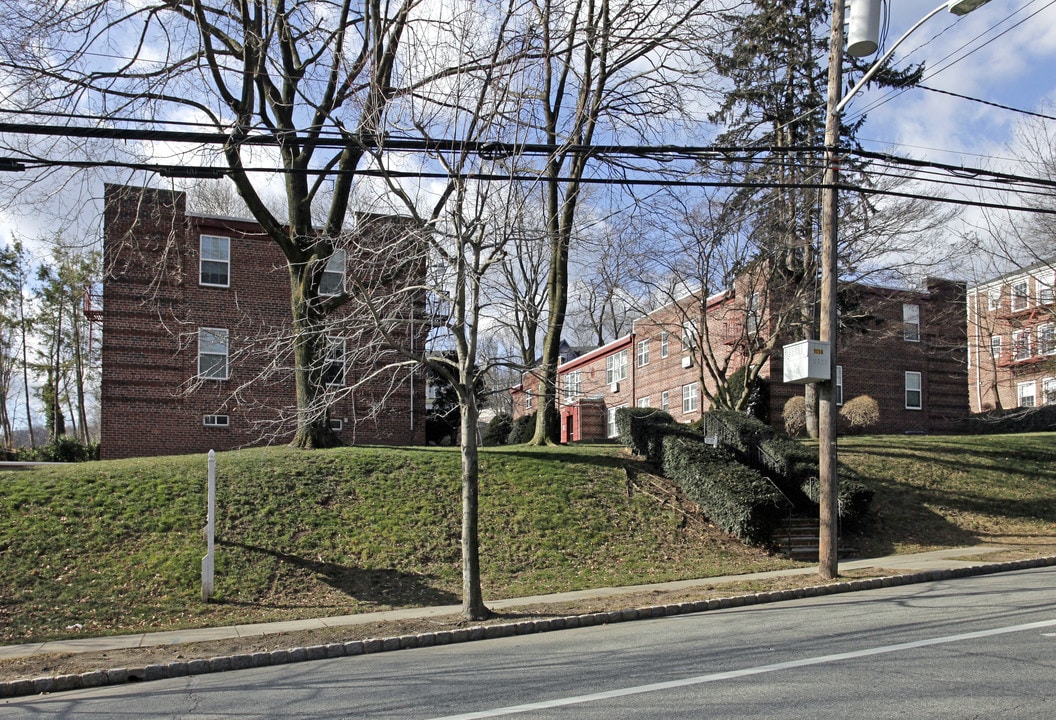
[(938, 560)]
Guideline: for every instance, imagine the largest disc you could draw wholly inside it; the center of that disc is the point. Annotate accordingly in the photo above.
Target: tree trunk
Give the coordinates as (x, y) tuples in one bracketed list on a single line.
[(78, 369), (810, 409), (473, 607), (309, 357), (25, 363)]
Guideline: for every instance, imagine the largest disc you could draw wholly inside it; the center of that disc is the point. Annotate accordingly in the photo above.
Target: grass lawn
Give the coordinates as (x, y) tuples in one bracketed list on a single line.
[(116, 547)]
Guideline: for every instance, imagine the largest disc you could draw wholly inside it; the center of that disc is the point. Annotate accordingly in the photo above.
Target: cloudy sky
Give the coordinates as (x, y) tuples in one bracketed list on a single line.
[(1004, 52)]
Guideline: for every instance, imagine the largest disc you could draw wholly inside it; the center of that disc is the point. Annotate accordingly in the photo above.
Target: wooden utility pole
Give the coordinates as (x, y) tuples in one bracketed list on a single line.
[(828, 540)]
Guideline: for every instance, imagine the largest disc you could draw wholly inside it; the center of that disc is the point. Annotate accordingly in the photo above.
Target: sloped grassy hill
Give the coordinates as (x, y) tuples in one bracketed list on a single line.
[(116, 547)]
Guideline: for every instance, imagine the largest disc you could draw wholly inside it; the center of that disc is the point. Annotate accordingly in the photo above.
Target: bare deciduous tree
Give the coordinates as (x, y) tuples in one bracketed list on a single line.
[(299, 86), (607, 68)]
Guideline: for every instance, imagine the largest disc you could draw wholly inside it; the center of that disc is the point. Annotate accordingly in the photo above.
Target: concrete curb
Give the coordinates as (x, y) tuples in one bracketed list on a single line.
[(121, 676)]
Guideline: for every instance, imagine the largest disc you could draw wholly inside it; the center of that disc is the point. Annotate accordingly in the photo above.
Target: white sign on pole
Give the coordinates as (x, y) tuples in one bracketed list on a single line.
[(210, 526)]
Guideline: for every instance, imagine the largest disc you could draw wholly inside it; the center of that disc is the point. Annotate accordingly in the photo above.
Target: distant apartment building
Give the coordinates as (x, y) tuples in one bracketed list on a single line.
[(1012, 340), (904, 348), (194, 309)]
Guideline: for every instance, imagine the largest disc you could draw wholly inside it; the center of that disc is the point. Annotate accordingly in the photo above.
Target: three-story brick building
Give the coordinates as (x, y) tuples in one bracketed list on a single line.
[(1012, 339), (196, 310), (904, 348)]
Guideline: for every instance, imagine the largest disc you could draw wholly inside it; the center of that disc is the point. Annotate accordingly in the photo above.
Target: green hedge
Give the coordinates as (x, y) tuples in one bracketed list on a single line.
[(523, 430), (784, 460), (852, 497), (1016, 420), (498, 430), (733, 496), (641, 429)]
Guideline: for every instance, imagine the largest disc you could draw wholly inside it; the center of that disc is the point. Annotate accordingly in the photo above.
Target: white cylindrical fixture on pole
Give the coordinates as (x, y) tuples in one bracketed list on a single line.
[(863, 35)]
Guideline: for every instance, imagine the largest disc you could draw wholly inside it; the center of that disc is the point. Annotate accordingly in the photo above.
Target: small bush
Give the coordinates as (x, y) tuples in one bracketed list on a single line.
[(735, 430), (852, 497), (640, 430), (1016, 420), (498, 430), (66, 449), (860, 412), (795, 416), (733, 496), (523, 430)]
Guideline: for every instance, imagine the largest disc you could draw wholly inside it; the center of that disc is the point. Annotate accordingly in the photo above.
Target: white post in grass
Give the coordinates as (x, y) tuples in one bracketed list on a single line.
[(210, 527)]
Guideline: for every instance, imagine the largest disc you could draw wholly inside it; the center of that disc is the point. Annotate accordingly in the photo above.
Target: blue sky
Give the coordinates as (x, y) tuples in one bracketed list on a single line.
[(1004, 52)]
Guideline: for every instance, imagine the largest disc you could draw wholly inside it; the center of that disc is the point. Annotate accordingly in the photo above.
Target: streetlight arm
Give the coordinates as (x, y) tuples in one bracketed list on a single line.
[(887, 56)]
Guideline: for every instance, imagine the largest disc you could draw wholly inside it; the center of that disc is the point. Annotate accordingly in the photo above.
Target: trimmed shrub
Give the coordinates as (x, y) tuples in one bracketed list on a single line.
[(523, 430), (852, 497), (498, 430), (640, 429), (735, 430), (795, 416), (860, 412), (1016, 420), (734, 497)]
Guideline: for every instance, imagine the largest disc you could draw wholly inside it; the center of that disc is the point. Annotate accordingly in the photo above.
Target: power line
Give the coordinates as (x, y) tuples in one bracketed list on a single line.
[(987, 102)]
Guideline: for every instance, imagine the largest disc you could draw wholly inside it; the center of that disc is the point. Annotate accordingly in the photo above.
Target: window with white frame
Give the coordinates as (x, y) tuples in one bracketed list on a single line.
[(528, 399), (573, 385), (214, 261), (220, 421), (1046, 290), (689, 335), (334, 367), (751, 314), (665, 400), (1019, 295), (690, 398), (337, 424), (610, 425), (1048, 391), (1021, 349), (914, 393), (993, 298), (616, 367), (332, 280), (643, 353), (839, 385), (212, 353), (643, 402), (995, 346), (1025, 393), (663, 344), (1047, 339), (911, 322)]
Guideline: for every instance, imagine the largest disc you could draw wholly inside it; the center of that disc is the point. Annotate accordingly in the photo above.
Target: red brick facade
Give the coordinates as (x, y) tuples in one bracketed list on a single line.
[(905, 349), (1012, 340), (154, 306)]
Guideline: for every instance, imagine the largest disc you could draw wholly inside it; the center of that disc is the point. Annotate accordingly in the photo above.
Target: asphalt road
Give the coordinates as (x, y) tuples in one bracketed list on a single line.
[(982, 646)]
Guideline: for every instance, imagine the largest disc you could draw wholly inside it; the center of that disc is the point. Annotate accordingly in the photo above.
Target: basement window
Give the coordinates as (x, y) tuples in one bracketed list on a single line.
[(219, 421)]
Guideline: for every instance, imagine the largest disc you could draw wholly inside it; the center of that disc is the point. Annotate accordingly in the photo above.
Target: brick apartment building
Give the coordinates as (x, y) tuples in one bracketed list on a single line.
[(191, 308), (904, 348), (1012, 340)]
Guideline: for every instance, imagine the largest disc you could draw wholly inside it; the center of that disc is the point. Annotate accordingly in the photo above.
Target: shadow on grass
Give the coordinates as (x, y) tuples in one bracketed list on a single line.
[(376, 586), (565, 453)]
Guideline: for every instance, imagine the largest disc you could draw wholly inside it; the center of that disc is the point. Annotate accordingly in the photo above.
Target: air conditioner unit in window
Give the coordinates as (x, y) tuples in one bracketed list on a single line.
[(687, 361), (615, 387)]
